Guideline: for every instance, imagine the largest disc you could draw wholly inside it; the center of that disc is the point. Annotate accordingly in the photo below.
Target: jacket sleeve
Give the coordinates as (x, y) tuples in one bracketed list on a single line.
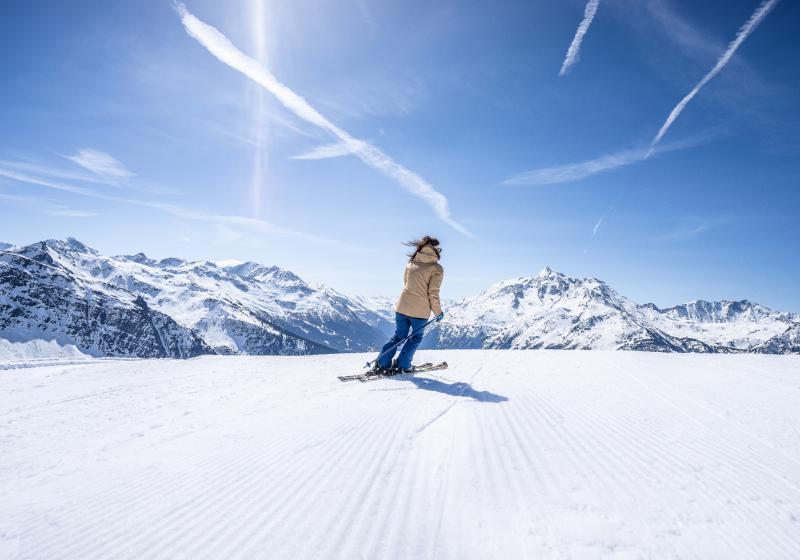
[(433, 290)]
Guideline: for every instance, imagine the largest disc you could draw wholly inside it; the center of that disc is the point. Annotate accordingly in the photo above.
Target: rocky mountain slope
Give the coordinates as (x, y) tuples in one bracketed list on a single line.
[(551, 310), (41, 298), (52, 289), (787, 342), (132, 305)]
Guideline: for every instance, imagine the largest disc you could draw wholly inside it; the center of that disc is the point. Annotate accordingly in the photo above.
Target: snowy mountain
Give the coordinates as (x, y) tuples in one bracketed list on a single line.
[(377, 311), (554, 311), (44, 296), (787, 342), (132, 305), (735, 324), (240, 308)]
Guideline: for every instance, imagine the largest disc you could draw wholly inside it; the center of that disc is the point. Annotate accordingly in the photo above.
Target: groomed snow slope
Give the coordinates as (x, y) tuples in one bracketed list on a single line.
[(508, 454)]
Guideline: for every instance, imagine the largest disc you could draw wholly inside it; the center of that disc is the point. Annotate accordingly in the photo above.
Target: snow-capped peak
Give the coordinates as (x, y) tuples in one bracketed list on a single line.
[(224, 263), (253, 308), (547, 271), (70, 245)]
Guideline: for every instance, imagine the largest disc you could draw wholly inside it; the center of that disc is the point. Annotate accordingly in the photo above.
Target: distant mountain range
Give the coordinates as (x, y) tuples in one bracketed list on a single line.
[(132, 305), (554, 311)]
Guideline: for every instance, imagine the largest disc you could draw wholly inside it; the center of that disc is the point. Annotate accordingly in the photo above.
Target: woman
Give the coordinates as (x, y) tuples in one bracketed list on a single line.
[(422, 280)]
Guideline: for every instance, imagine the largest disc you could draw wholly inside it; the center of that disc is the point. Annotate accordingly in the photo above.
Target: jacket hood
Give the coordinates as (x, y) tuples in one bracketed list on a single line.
[(426, 255)]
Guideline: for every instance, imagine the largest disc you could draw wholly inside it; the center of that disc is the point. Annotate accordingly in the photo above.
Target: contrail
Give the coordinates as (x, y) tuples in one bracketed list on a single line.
[(575, 46), (219, 46), (744, 32), (325, 152), (571, 172), (597, 225)]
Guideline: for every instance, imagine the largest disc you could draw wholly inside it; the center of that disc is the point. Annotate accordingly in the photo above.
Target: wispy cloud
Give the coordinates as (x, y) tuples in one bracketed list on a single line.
[(64, 212), (571, 172), (33, 180), (597, 225), (227, 234), (325, 152), (760, 13), (46, 205), (581, 170), (574, 48), (219, 46), (250, 224), (100, 163), (48, 171), (36, 168), (691, 41), (691, 227)]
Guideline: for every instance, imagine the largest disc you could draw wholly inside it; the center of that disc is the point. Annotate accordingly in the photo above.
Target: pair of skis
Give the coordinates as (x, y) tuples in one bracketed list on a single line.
[(383, 374)]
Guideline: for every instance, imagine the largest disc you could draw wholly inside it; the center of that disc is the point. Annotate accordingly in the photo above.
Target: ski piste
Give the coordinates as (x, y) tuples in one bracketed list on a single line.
[(373, 376)]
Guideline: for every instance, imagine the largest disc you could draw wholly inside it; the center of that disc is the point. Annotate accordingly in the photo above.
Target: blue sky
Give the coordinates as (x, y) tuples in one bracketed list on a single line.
[(122, 128)]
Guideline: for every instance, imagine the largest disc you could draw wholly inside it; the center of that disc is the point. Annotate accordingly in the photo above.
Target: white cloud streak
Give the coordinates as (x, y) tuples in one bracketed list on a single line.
[(100, 163), (572, 172), (692, 227), (597, 225), (46, 205), (63, 212), (219, 46), (251, 224), (40, 169), (760, 13), (574, 48), (325, 152)]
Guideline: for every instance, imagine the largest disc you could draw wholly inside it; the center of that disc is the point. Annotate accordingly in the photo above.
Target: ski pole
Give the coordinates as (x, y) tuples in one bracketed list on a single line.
[(393, 346)]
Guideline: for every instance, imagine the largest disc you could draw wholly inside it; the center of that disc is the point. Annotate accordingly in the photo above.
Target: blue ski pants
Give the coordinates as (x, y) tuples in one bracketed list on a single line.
[(403, 325)]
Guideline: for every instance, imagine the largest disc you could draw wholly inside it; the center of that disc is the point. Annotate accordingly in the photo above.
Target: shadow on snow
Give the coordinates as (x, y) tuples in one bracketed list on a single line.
[(456, 389)]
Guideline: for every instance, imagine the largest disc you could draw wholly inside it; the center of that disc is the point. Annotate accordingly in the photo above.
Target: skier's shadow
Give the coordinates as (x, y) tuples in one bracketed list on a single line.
[(456, 389)]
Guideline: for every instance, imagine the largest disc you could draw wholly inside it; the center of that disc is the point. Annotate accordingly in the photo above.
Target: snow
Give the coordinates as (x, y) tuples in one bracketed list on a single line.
[(555, 311), (507, 454), (382, 305), (242, 305), (228, 262), (246, 307), (35, 351)]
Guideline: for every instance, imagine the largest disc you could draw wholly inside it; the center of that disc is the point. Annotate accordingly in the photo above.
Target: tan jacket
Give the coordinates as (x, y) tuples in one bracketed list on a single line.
[(421, 282)]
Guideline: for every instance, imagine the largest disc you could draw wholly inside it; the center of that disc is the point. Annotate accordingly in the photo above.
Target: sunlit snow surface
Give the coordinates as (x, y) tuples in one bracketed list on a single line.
[(507, 454)]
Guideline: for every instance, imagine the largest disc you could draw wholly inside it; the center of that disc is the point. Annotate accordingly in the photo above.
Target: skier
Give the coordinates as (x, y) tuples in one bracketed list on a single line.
[(421, 282)]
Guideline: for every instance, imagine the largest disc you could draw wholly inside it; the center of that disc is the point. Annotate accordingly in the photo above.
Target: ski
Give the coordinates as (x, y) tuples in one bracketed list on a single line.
[(373, 376)]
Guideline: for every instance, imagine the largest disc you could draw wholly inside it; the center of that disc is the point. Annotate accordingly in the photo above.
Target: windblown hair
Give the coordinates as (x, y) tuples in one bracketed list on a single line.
[(418, 244)]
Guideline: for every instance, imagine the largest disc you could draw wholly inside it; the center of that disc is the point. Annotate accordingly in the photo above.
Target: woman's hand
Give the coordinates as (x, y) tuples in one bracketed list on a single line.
[(439, 317)]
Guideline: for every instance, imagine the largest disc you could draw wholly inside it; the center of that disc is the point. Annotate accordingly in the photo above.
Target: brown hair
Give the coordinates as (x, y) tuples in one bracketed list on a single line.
[(418, 244)]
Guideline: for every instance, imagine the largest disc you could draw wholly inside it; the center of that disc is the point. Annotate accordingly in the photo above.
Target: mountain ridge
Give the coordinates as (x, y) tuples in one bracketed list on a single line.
[(554, 311), (133, 305)]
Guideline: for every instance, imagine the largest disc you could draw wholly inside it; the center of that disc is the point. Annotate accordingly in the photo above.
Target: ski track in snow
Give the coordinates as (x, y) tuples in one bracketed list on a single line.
[(507, 454)]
